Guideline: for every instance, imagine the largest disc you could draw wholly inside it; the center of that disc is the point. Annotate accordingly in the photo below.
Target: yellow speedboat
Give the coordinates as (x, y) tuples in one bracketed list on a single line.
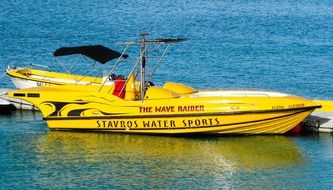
[(140, 107), (27, 77)]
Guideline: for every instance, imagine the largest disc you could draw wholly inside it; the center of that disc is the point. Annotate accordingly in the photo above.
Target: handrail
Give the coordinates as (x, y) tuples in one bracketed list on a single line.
[(43, 66), (114, 66), (132, 71), (158, 62)]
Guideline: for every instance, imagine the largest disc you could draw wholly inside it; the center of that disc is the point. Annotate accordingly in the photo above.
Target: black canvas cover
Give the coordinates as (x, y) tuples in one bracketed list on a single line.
[(98, 53)]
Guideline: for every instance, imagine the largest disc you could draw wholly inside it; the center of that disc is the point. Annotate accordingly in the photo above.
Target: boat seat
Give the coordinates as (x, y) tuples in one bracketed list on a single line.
[(160, 93), (179, 88), (25, 71), (125, 88)]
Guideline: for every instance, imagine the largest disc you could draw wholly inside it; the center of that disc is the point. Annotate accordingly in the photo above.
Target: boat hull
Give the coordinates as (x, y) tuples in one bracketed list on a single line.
[(25, 83), (27, 78), (277, 122), (165, 112)]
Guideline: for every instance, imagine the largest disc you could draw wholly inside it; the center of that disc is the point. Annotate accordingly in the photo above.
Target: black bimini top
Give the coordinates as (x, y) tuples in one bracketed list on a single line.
[(98, 53)]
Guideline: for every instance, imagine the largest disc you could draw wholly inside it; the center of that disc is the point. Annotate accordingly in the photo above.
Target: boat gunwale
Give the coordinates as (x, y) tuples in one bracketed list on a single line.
[(48, 80), (34, 79), (303, 109)]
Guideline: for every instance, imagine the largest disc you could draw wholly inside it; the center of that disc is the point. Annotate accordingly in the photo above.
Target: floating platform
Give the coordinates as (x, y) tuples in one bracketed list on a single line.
[(6, 107), (321, 120), (7, 104)]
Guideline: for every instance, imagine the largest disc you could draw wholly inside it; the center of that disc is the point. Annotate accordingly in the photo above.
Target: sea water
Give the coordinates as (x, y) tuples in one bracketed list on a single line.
[(284, 46)]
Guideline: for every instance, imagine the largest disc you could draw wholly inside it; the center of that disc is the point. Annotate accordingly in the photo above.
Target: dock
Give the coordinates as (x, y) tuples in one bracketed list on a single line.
[(7, 104), (321, 120)]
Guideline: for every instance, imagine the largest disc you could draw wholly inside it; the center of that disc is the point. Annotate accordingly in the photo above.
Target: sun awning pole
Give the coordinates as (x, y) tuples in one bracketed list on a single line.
[(118, 60), (135, 66), (114, 66), (143, 64), (71, 67), (159, 62), (61, 64), (68, 71)]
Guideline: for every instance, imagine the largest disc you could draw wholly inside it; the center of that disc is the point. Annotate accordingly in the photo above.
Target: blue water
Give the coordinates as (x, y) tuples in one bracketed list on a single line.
[(283, 46)]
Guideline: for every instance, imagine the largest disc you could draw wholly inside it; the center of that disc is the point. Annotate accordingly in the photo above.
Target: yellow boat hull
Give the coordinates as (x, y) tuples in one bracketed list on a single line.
[(242, 123), (167, 112)]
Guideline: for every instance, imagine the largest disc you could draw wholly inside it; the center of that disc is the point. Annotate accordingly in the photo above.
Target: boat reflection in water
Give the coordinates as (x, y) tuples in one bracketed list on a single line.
[(177, 154)]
